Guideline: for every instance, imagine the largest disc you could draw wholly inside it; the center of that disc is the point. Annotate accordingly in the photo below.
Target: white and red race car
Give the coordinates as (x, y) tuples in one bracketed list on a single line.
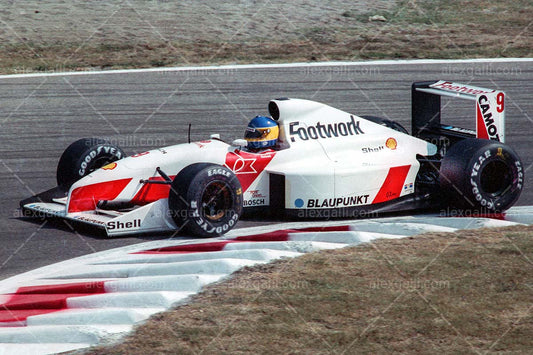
[(328, 163)]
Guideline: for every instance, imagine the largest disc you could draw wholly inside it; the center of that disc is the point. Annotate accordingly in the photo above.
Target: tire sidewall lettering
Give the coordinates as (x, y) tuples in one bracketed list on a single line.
[(520, 174), (189, 211), (112, 153), (213, 227), (83, 156), (476, 170), (221, 173)]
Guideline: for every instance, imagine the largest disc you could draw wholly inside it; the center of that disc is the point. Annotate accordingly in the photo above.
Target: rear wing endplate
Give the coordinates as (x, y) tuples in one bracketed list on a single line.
[(426, 107)]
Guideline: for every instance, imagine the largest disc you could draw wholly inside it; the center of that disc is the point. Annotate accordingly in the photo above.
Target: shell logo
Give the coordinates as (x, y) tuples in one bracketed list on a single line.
[(391, 143), (110, 166)]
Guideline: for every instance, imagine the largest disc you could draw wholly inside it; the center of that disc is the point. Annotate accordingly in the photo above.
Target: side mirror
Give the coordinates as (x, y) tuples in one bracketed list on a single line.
[(241, 143)]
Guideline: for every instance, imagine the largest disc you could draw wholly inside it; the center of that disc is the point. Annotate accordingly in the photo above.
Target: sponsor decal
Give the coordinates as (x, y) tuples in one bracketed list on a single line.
[(139, 154), (43, 211), (337, 202), (372, 149), (90, 220), (485, 118), (256, 194), (325, 131), (242, 165), (408, 188), (115, 225), (391, 143), (202, 144), (391, 194), (248, 166), (459, 88), (255, 198), (254, 202), (109, 166)]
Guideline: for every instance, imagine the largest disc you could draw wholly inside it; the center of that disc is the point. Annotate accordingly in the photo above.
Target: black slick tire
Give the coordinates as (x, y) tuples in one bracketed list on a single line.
[(84, 156), (481, 175), (205, 200)]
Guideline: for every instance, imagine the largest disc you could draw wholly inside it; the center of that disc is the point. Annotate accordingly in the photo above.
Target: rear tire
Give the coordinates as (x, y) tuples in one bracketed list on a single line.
[(206, 200), (481, 175), (83, 157)]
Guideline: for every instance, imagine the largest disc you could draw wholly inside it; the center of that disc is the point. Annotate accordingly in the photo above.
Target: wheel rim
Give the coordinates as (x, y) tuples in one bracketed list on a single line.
[(216, 200), (495, 178)]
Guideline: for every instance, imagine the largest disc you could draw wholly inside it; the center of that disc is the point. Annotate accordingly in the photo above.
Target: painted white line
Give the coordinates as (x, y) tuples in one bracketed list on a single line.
[(272, 66)]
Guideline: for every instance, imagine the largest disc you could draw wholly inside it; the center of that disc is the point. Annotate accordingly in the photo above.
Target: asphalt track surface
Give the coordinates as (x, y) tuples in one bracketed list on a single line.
[(41, 116)]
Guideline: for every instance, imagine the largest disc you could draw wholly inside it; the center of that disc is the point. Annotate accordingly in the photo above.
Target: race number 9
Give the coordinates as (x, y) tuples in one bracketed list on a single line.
[(500, 102)]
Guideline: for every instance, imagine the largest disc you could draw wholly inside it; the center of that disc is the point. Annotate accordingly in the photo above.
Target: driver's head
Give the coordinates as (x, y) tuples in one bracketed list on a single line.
[(262, 132)]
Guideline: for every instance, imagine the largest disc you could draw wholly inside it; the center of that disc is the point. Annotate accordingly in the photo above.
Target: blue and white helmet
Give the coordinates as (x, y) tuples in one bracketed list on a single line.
[(262, 132)]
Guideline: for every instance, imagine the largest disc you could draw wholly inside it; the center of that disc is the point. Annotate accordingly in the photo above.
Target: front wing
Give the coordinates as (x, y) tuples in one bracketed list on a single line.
[(154, 217)]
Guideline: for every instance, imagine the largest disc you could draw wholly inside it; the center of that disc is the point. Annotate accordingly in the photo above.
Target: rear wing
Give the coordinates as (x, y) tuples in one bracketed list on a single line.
[(426, 109)]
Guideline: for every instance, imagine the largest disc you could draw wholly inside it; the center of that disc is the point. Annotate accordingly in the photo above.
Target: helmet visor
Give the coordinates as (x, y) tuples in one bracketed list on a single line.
[(256, 133)]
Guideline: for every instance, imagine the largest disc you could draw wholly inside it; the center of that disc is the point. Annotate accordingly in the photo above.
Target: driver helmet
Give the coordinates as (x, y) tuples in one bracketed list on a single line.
[(262, 132)]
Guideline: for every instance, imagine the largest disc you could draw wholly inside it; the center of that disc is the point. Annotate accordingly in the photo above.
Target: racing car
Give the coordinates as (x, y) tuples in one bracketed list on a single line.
[(326, 163)]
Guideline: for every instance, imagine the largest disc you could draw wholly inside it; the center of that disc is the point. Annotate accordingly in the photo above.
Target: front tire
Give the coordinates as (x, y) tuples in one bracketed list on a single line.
[(83, 157), (481, 175), (205, 200)]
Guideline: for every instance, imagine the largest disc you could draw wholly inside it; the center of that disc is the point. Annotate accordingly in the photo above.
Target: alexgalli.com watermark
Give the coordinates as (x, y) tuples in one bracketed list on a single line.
[(409, 284), (466, 212), (343, 70), (197, 72), (482, 70), (267, 284), (136, 141), (336, 213)]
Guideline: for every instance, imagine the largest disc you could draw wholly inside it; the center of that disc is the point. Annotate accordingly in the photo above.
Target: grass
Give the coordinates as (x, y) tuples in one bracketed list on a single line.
[(463, 292), (414, 29)]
